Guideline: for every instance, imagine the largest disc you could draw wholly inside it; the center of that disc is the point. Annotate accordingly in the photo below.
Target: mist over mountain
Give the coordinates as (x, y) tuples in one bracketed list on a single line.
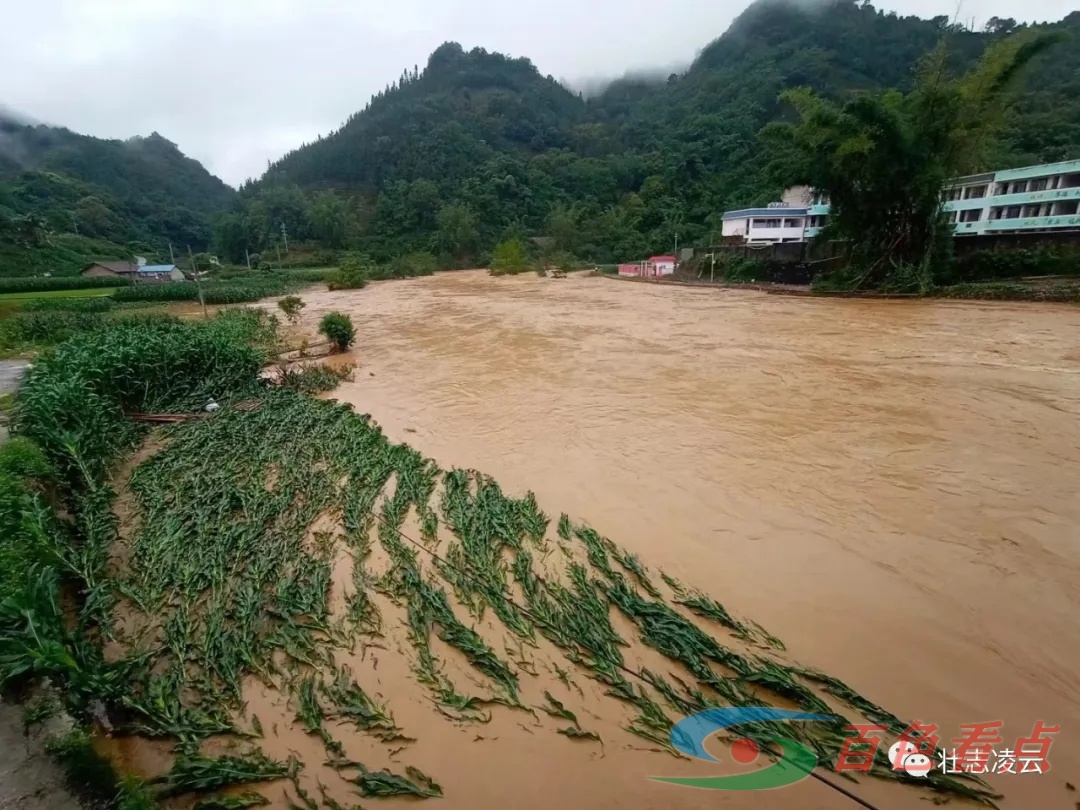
[(596, 86), (142, 191), (617, 168)]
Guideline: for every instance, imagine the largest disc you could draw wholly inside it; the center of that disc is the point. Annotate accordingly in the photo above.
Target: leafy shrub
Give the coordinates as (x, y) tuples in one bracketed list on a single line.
[(291, 306), (352, 275), (740, 269), (17, 285), (412, 265), (338, 329), (564, 260), (509, 258)]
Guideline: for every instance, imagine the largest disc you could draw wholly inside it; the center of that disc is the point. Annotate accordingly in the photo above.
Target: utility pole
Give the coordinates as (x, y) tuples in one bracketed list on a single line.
[(284, 236), (712, 256), (172, 258), (198, 281), (676, 250), (247, 255)]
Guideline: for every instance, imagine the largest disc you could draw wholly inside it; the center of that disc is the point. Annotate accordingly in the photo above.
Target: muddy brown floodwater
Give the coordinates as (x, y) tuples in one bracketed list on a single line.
[(890, 487)]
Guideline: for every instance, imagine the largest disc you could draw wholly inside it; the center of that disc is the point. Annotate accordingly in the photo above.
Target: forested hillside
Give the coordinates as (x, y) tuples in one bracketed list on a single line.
[(477, 146), (65, 196)]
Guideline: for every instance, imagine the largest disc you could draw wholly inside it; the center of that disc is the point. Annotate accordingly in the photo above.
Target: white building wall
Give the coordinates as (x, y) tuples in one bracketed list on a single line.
[(757, 233), (736, 227)]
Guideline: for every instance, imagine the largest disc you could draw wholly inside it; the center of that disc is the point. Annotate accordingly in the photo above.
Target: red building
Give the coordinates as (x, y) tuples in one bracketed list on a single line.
[(649, 268)]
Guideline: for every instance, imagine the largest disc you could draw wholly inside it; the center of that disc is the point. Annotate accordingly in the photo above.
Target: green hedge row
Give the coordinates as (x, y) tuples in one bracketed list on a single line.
[(233, 291), (989, 265), (18, 285)]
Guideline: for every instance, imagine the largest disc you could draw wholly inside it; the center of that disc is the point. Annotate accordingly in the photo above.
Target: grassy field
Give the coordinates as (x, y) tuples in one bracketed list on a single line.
[(91, 293)]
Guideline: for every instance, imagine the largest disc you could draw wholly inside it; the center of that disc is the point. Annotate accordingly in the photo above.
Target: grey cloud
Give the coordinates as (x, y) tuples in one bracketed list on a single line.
[(239, 82)]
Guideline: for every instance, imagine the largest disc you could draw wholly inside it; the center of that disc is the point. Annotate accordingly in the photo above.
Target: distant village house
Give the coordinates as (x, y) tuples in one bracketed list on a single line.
[(160, 272), (106, 269), (134, 271)]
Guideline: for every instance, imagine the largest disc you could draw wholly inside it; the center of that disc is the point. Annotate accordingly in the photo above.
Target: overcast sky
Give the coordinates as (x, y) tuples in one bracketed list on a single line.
[(236, 83)]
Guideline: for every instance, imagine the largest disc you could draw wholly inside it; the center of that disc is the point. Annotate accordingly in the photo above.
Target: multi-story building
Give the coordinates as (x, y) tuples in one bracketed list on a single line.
[(1026, 200), (1034, 198), (784, 221)]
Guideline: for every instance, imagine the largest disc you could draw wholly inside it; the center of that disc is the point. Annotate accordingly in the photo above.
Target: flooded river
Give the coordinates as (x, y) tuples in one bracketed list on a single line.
[(893, 488)]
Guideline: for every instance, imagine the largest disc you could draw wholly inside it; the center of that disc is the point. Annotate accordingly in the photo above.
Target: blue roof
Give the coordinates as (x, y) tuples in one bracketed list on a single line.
[(157, 268), (766, 212)]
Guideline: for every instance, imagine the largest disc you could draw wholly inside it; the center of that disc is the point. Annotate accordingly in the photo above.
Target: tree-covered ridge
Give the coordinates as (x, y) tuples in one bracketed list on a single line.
[(478, 147), (142, 192), (462, 108)]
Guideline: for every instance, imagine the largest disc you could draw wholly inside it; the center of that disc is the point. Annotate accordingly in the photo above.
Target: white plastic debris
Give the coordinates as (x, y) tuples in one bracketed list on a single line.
[(211, 406)]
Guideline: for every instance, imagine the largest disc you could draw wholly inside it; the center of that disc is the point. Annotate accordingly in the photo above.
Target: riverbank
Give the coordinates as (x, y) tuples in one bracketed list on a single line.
[(29, 778), (1040, 289)]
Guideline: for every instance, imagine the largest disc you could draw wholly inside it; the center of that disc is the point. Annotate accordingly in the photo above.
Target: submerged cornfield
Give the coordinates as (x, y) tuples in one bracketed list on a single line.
[(241, 580)]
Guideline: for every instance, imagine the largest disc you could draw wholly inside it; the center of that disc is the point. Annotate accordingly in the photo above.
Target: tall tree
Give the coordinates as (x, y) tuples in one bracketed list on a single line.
[(456, 234), (884, 159), (329, 215), (231, 238)]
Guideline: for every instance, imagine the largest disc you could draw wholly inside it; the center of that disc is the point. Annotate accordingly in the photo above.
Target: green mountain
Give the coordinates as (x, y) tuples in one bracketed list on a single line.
[(464, 109), (58, 187), (478, 146)]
